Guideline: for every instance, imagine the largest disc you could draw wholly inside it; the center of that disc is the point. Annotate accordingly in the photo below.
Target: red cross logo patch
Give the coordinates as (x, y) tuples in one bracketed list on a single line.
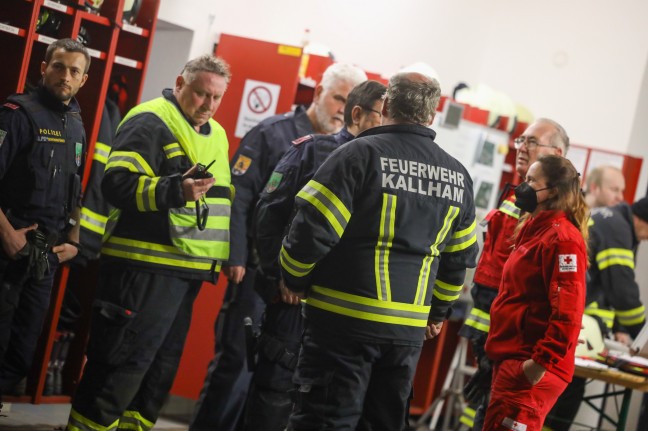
[(567, 263)]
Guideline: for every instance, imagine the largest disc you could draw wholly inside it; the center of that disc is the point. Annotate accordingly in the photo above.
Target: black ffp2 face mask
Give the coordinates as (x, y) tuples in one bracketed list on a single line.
[(526, 198)]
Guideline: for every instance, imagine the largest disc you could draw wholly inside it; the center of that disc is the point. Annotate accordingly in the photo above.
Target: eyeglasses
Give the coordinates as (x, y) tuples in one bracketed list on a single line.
[(372, 110), (531, 143)]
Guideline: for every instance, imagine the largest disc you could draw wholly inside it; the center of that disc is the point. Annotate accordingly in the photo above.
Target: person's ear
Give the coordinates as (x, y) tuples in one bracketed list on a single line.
[(43, 67), (553, 192), (431, 119), (180, 82), (356, 114), (318, 92), (384, 108)]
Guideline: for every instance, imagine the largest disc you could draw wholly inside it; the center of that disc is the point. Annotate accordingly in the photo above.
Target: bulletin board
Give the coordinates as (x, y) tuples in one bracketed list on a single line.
[(481, 150)]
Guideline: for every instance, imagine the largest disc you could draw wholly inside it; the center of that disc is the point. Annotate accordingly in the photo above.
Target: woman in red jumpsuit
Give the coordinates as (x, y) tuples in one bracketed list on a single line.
[(536, 317)]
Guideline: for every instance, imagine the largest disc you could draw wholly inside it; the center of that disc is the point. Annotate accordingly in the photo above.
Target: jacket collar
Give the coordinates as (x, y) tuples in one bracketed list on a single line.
[(400, 128), (50, 101), (543, 219), (344, 135), (302, 122)]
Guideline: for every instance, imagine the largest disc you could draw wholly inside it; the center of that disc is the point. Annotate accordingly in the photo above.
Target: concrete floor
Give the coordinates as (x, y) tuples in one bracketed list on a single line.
[(50, 417)]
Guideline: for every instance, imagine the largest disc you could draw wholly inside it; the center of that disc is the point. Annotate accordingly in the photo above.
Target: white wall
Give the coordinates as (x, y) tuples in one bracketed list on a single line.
[(169, 54), (572, 60)]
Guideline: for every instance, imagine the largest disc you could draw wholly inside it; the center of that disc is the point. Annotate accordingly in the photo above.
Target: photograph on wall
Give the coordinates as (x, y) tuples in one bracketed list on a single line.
[(485, 154), (484, 193)]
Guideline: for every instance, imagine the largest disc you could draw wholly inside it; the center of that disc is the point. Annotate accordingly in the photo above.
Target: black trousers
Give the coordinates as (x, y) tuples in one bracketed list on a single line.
[(23, 306), (349, 384), (139, 325), (271, 394), (222, 398)]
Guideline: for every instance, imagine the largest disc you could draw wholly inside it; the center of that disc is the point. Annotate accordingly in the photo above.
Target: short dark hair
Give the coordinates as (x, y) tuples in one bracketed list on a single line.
[(68, 45), (412, 98), (363, 95)]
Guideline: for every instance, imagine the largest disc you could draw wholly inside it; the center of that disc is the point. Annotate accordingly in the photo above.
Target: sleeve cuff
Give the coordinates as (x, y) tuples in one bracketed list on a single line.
[(176, 195)]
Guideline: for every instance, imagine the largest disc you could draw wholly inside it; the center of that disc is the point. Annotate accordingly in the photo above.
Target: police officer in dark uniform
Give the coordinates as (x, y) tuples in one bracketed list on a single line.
[(222, 398), (269, 400), (42, 151), (379, 245)]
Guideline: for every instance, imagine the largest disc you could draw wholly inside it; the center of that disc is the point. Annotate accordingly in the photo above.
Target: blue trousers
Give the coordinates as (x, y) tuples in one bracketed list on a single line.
[(23, 306), (224, 393), (271, 394)]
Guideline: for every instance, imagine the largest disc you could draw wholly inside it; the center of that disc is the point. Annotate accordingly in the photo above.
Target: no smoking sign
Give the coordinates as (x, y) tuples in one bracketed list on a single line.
[(259, 101)]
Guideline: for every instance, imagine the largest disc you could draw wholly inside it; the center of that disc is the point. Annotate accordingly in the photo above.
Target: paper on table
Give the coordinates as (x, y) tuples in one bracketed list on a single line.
[(638, 360), (588, 363)]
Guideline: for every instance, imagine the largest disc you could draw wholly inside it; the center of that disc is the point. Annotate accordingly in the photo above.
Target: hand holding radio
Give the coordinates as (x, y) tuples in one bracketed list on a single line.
[(197, 181)]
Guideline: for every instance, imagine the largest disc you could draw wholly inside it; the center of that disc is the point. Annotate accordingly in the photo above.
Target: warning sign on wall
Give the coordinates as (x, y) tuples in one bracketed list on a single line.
[(259, 101)]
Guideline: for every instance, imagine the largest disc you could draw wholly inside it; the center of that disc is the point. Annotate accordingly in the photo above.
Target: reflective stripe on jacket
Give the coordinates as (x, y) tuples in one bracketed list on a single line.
[(383, 234)]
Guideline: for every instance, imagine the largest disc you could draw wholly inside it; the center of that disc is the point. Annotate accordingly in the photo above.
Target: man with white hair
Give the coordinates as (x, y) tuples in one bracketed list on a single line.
[(222, 399)]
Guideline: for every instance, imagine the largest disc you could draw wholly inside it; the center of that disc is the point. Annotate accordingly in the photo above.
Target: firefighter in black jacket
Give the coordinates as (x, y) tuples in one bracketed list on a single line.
[(222, 399), (269, 400), (380, 244), (42, 152), (615, 233)]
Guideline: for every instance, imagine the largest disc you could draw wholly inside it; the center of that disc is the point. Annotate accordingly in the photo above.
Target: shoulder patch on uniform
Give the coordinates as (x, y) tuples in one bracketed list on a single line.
[(274, 182), (2, 136), (11, 105), (567, 263), (78, 152), (302, 140), (242, 165)]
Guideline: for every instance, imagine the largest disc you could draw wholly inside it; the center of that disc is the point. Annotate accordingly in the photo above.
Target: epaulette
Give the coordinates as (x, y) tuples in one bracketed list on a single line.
[(302, 140), (11, 106)]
